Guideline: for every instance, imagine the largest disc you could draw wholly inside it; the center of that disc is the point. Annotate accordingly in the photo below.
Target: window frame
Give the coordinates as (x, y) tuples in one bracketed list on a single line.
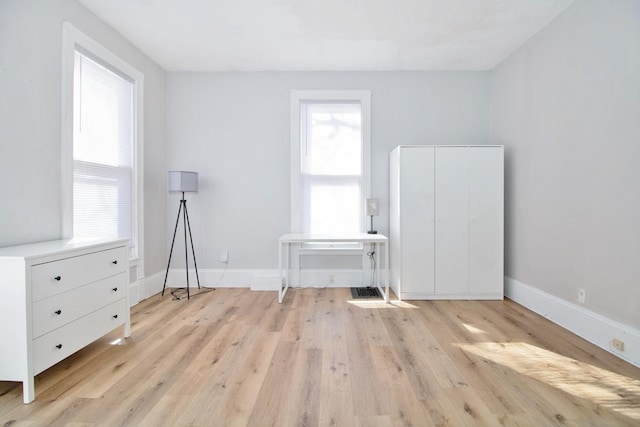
[(72, 40), (299, 97)]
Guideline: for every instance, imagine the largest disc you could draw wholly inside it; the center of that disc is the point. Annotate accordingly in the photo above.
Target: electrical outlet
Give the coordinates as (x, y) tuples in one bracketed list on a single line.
[(581, 295), (224, 256), (617, 344)]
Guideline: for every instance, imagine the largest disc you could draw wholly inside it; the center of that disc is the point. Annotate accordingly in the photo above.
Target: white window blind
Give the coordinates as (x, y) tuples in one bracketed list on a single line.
[(103, 144), (331, 168)]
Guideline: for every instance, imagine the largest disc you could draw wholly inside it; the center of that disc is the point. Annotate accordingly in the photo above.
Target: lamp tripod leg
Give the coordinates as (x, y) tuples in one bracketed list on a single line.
[(186, 251), (193, 251), (171, 251)]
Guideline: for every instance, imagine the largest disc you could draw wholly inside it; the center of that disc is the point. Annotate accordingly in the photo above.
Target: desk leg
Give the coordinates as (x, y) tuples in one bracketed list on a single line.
[(385, 246), (284, 274), (376, 251), (280, 272), (287, 263)]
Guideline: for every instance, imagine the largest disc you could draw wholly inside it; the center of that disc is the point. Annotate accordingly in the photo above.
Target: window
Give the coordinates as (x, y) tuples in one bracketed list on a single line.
[(330, 161), (102, 151), (101, 143)]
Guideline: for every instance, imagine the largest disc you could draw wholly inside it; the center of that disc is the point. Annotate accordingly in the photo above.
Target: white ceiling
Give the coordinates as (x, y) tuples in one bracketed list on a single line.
[(319, 35)]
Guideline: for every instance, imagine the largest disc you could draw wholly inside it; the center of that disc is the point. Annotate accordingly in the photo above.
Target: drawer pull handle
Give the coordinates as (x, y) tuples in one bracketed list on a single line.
[(58, 312), (59, 346), (57, 278), (114, 262), (115, 316), (115, 289)]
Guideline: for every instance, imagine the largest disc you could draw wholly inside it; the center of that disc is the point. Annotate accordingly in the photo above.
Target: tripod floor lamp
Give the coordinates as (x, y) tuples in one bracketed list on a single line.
[(183, 182)]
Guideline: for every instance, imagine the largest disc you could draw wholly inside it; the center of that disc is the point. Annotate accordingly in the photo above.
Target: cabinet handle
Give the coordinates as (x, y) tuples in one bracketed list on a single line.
[(58, 312), (57, 278), (115, 289), (115, 316), (114, 262), (59, 346)]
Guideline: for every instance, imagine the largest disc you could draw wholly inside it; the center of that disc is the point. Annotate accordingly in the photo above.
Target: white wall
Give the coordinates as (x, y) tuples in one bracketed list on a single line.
[(30, 120), (233, 128), (567, 107)]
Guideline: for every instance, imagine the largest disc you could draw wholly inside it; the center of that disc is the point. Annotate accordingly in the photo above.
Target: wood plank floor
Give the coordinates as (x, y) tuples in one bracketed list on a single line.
[(233, 357)]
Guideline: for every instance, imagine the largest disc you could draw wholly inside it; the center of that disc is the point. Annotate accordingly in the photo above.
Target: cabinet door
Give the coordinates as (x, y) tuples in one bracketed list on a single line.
[(417, 219), (452, 220), (486, 220)]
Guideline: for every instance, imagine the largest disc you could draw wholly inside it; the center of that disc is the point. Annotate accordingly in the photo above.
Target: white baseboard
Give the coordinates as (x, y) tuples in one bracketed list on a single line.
[(319, 278), (150, 285), (431, 296), (593, 327), (266, 280)]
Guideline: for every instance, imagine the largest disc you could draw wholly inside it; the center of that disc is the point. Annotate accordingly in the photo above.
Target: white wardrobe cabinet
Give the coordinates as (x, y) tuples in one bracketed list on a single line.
[(446, 222), (58, 297)]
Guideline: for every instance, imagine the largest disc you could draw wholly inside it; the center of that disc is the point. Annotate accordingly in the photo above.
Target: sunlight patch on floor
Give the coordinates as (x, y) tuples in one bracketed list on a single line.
[(376, 303), (602, 387), (473, 329)]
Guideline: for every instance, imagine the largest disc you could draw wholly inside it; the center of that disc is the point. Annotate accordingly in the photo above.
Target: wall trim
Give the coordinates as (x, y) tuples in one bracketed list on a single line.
[(150, 285), (267, 279), (224, 278), (594, 327)]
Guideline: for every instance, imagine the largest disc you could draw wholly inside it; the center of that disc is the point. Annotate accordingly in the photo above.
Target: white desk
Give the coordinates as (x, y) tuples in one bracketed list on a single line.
[(287, 240)]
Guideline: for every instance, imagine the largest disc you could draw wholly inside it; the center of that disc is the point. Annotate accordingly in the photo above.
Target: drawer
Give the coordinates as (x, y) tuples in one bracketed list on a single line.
[(55, 277), (58, 310), (51, 348)]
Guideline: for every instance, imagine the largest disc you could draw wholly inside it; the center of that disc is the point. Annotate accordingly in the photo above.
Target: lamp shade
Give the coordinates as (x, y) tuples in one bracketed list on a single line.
[(183, 181), (372, 207)]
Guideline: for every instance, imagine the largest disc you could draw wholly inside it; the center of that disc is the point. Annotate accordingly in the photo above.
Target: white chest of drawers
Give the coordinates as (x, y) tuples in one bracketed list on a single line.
[(55, 298)]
